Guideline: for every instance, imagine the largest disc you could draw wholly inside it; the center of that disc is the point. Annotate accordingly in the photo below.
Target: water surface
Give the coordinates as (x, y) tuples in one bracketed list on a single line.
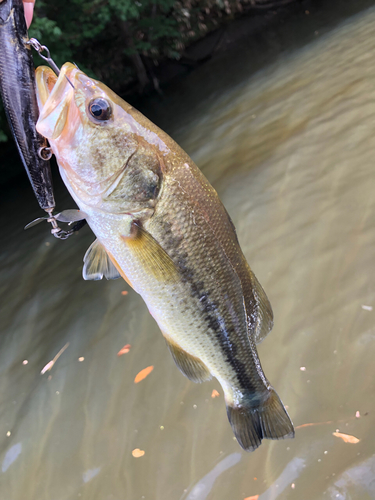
[(291, 152)]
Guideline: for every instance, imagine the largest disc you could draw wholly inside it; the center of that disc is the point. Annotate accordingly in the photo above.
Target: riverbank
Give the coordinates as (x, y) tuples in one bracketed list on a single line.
[(254, 41), (270, 31)]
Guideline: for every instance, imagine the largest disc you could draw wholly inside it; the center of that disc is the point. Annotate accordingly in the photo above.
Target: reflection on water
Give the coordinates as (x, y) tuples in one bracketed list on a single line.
[(203, 488), (285, 480), (291, 152), (10, 456), (356, 482)]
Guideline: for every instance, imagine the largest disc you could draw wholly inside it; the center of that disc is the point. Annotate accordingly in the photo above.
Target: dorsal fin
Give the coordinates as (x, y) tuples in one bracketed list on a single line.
[(264, 322), (97, 264)]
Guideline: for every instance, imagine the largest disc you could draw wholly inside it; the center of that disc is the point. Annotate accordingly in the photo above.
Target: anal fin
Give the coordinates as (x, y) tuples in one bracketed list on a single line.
[(98, 264), (193, 368)]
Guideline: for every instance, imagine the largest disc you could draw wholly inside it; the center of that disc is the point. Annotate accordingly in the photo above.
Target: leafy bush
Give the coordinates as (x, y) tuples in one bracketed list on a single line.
[(120, 41)]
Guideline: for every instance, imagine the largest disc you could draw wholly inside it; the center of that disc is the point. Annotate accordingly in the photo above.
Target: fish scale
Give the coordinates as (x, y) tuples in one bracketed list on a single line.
[(160, 223), (217, 278)]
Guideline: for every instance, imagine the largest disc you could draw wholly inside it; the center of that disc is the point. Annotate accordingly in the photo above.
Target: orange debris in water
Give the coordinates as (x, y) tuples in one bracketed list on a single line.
[(347, 438), (124, 292), (138, 453), (215, 394), (124, 350), (311, 424), (143, 374), (254, 497)]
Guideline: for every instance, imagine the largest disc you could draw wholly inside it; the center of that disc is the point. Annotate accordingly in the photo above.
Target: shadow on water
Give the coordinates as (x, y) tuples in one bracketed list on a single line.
[(290, 151)]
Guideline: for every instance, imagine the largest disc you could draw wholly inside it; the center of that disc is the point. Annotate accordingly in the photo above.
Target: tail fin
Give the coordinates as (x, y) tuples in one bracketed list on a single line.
[(251, 424)]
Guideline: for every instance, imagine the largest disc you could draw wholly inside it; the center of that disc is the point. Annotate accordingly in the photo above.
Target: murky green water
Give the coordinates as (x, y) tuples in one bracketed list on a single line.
[(291, 152)]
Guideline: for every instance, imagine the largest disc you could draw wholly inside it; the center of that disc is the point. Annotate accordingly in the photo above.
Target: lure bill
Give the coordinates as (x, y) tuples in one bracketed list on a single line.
[(17, 86)]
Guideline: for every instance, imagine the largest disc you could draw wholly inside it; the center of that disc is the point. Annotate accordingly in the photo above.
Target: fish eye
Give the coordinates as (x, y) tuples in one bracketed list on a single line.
[(100, 109)]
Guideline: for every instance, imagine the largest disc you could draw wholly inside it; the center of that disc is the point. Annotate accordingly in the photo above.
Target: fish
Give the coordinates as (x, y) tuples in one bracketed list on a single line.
[(18, 91), (161, 226)]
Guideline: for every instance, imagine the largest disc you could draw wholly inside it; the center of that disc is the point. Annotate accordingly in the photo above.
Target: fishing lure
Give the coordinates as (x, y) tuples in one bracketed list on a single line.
[(18, 91)]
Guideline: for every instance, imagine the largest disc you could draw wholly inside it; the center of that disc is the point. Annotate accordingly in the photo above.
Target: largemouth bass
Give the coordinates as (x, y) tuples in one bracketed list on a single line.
[(17, 86), (161, 226)]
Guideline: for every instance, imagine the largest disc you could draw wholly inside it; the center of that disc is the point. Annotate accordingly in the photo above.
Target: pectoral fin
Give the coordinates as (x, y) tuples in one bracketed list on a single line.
[(153, 257), (193, 368), (97, 264)]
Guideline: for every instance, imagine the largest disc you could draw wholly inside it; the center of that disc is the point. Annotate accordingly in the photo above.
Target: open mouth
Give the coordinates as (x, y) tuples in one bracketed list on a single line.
[(46, 79), (54, 95)]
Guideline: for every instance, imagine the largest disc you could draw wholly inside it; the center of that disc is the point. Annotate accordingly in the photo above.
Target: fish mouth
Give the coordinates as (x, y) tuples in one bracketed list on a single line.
[(62, 103), (54, 95)]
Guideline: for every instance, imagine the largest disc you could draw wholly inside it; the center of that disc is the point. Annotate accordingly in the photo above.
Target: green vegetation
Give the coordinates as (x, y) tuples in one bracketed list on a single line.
[(120, 42)]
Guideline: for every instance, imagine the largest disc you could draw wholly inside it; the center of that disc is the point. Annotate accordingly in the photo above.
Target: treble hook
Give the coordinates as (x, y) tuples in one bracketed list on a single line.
[(35, 44), (42, 48), (60, 233), (74, 218)]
